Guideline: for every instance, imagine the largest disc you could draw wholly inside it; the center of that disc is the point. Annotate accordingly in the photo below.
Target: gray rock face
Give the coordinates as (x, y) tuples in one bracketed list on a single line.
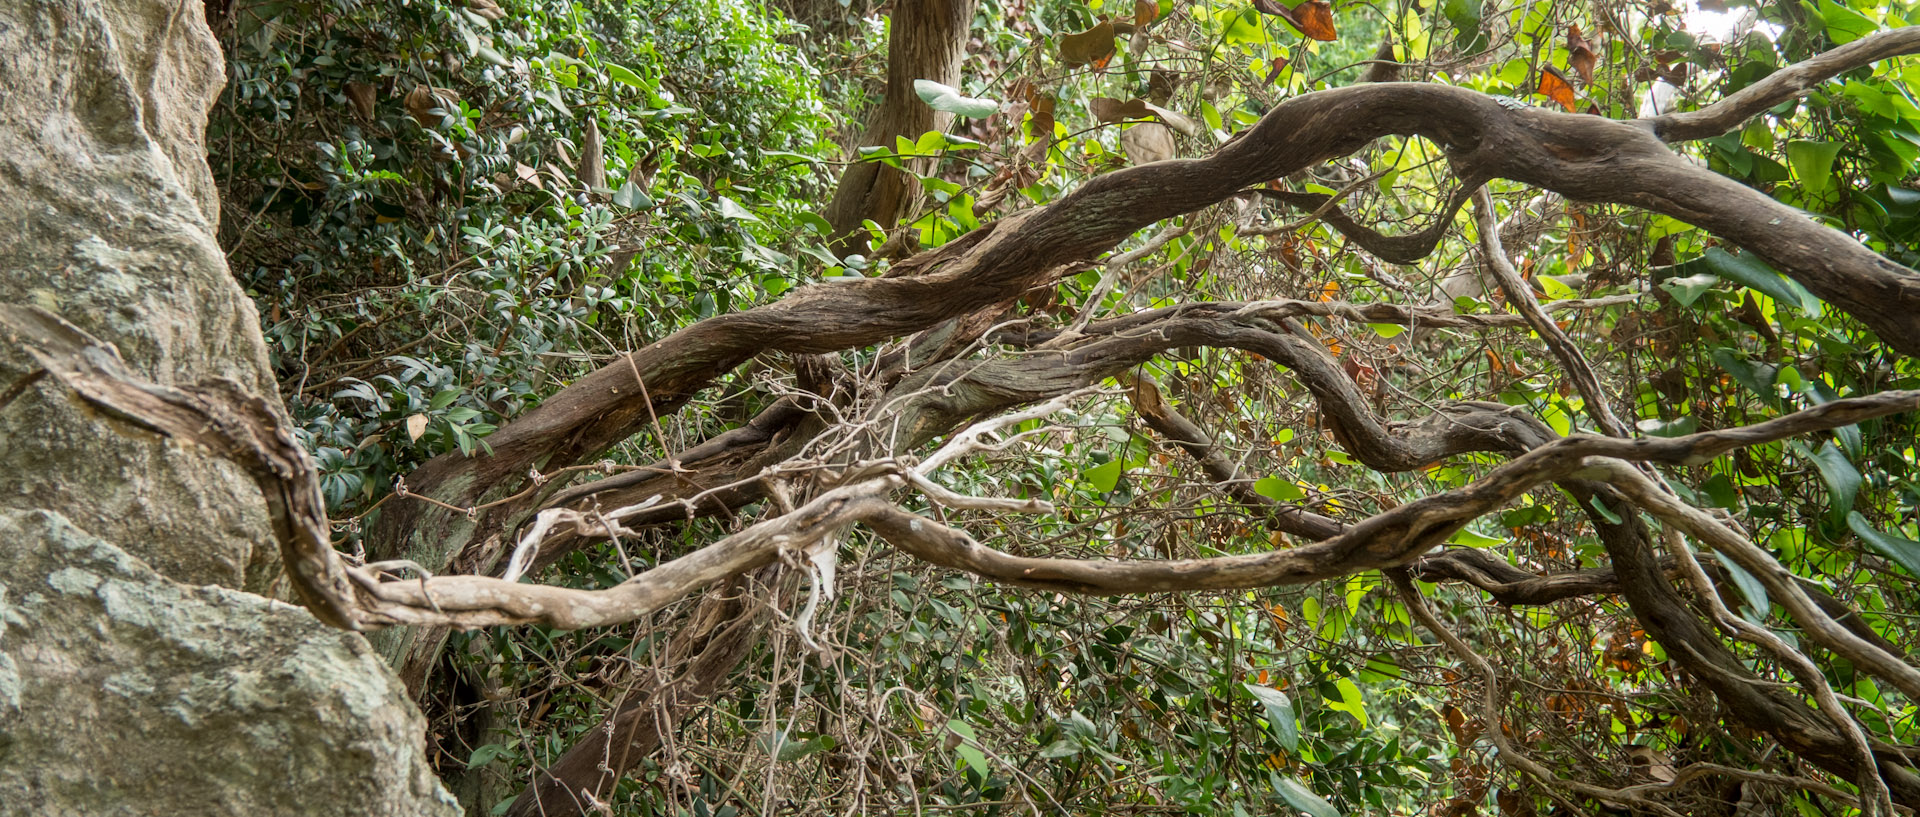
[(107, 211), (132, 681), (122, 692)]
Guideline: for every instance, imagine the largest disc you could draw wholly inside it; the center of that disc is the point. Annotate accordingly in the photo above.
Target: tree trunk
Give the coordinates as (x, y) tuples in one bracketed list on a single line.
[(926, 41)]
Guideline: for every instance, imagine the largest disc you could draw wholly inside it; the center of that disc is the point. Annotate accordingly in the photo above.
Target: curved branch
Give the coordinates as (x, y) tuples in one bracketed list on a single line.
[(222, 416), (1283, 516), (1787, 83), (1520, 296), (1764, 706), (1396, 249), (1510, 585), (1582, 157), (1780, 583)]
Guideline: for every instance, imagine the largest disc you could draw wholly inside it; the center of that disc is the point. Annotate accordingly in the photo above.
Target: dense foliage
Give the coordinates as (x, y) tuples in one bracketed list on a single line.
[(447, 212)]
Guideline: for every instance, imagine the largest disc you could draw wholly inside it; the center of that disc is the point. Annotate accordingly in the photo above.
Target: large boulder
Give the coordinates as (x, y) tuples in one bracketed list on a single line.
[(138, 674), (108, 210), (123, 692)]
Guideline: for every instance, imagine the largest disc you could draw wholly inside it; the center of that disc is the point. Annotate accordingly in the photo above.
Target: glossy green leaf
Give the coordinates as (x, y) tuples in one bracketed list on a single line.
[(1900, 549), (621, 73), (1467, 537), (485, 754), (1351, 701), (1105, 475), (732, 209), (1465, 17), (1676, 427), (1749, 271), (1813, 163), (631, 196), (945, 98), (1689, 289), (1303, 798), (1750, 588), (1278, 490), (1243, 27), (1280, 715), (1757, 377), (975, 759), (1842, 479)]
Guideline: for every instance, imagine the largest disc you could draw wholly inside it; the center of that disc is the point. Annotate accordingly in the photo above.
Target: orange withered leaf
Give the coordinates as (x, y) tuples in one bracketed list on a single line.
[(1554, 86), (1314, 18), (1144, 12)]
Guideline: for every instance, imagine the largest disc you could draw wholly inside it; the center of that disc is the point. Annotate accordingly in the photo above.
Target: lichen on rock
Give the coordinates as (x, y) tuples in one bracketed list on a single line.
[(122, 691)]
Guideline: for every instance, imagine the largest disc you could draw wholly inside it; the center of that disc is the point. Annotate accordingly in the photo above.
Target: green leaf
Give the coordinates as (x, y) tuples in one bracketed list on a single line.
[(1604, 511), (1813, 163), (1280, 716), (1687, 290), (485, 754), (1750, 271), (631, 196), (791, 750), (1064, 747), (944, 98), (1466, 536), (1243, 27), (1757, 377), (1104, 476), (1900, 549), (1351, 702), (1845, 25), (1679, 426), (1843, 480), (1750, 587), (975, 758), (1465, 16), (621, 73), (1278, 490), (1387, 330), (732, 209), (1303, 798)]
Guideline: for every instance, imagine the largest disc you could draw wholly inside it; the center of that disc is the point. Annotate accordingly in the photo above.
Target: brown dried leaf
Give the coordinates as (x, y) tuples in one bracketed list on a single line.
[(593, 159), (486, 8), (361, 95), (423, 102), (1147, 142), (1580, 57), (1095, 45), (1109, 110), (1160, 85), (1313, 18), (1554, 86), (1279, 64)]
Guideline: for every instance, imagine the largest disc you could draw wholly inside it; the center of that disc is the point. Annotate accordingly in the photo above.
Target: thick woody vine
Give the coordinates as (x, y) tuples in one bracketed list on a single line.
[(831, 459)]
